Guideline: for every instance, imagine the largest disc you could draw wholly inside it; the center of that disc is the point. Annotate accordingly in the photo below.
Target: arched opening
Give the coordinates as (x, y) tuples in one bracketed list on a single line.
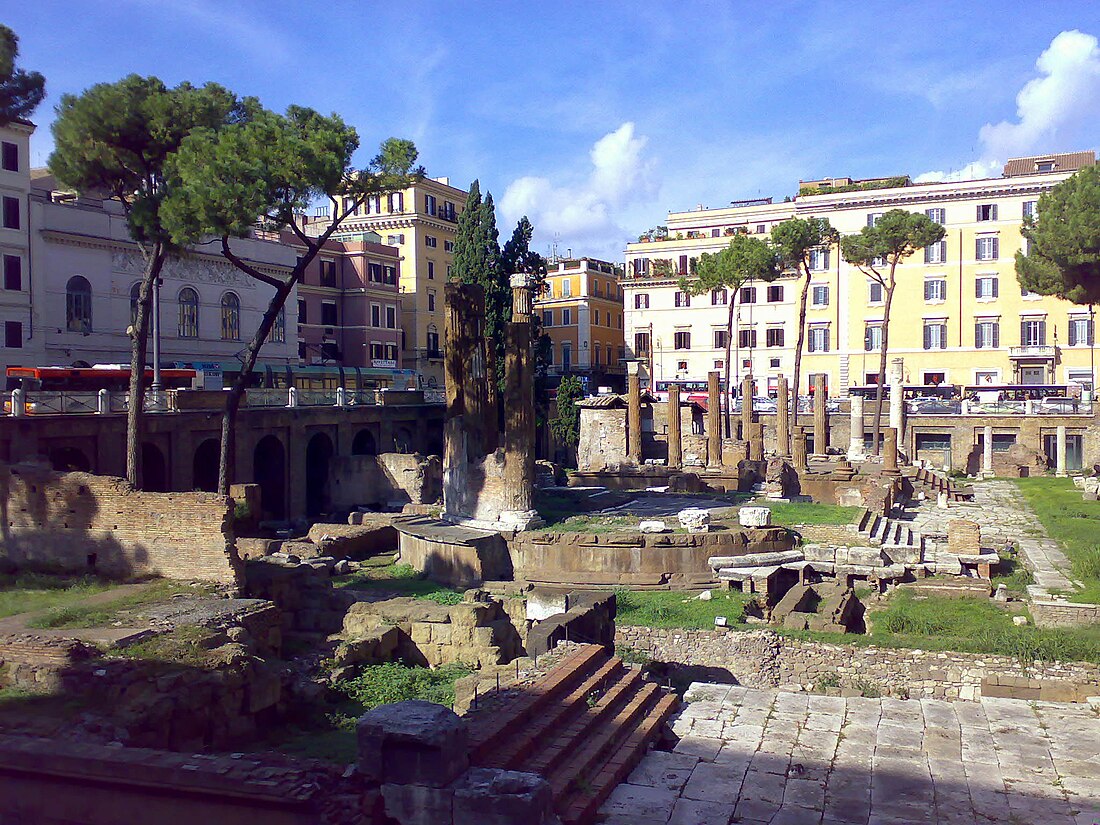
[(69, 459), (154, 469), (403, 440), (231, 317), (364, 443), (318, 456), (269, 471), (188, 326), (204, 467), (78, 305)]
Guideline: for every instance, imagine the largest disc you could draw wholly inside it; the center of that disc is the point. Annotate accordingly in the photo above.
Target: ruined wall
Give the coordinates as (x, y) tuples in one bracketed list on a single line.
[(386, 479), (765, 659), (1063, 614), (602, 443), (453, 555), (76, 521)]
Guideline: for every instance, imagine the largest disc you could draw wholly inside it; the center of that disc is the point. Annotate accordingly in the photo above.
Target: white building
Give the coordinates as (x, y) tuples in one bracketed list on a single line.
[(19, 339)]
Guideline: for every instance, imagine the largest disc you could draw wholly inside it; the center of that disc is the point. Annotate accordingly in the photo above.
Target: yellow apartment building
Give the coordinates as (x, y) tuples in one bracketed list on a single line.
[(582, 312)]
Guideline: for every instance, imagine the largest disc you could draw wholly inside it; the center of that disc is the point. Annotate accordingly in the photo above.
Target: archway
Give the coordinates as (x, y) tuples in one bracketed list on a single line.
[(269, 471), (403, 440), (204, 467), (364, 443), (154, 469), (69, 460), (318, 457)]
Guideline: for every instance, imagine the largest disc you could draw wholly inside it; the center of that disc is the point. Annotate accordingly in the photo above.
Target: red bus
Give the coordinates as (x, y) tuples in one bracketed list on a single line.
[(90, 379)]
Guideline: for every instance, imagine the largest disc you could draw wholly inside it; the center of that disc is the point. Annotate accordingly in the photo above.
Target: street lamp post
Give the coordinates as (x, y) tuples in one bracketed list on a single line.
[(156, 342)]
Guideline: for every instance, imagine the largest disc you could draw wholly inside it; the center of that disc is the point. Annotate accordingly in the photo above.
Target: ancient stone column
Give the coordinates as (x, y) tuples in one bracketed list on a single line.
[(890, 451), (633, 415), (855, 437), (783, 419), (519, 406), (987, 451), (746, 406), (714, 432), (755, 438), (1060, 440), (896, 376), (798, 449), (821, 417), (675, 442)]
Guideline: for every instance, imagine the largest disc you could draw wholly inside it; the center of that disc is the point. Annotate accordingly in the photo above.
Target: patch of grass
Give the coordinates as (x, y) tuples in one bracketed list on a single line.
[(334, 744), (590, 524), (677, 609), (1071, 521), (826, 681), (806, 512), (101, 615), (632, 656), (187, 645), (28, 592), (400, 580), (1012, 573), (395, 682)]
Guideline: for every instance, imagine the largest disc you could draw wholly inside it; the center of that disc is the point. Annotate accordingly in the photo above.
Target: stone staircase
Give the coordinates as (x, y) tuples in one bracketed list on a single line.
[(895, 537), (583, 726), (937, 483)]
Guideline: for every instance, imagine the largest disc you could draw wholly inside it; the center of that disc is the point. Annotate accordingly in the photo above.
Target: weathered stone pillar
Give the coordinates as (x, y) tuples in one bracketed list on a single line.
[(746, 406), (799, 449), (890, 452), (714, 424), (755, 438), (1060, 440), (464, 363), (519, 406), (855, 437), (675, 442), (896, 375), (783, 419), (821, 417), (987, 451), (633, 414)]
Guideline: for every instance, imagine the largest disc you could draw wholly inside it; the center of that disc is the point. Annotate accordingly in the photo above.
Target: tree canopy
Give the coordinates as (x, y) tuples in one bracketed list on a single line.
[(794, 239), (565, 425), (477, 260), (896, 235), (1063, 241), (746, 258), (20, 91)]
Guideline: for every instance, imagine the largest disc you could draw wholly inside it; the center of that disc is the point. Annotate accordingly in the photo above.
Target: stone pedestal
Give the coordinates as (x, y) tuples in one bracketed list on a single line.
[(821, 417), (844, 471), (987, 451), (714, 424), (783, 419), (896, 375), (675, 441), (855, 437), (412, 743), (754, 517), (633, 414), (1060, 456), (890, 452), (746, 406), (798, 447)]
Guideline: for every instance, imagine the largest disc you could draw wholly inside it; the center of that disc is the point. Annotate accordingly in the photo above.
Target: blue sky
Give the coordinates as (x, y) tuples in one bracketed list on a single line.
[(598, 118)]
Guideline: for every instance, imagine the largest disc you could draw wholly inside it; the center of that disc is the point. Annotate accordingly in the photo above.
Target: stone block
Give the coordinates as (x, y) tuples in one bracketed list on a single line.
[(871, 556), (694, 520), (653, 527), (412, 742), (417, 804), (492, 796), (754, 517), (542, 604)]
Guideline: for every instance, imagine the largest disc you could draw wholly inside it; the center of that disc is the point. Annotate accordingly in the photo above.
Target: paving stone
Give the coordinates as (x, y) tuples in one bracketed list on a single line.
[(713, 783), (641, 801), (660, 769), (698, 746), (695, 812)]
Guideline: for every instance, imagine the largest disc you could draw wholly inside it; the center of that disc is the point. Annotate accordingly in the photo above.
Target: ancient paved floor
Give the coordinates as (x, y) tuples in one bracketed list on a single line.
[(759, 756)]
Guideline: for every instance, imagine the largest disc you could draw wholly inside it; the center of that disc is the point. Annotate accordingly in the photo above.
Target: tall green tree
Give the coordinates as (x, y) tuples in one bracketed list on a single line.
[(118, 138), (265, 171), (794, 241), (20, 91), (565, 425), (517, 258), (876, 251), (747, 258), (1063, 241)]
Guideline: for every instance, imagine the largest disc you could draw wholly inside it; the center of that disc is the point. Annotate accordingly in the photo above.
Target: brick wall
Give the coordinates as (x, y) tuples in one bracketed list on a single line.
[(76, 521)]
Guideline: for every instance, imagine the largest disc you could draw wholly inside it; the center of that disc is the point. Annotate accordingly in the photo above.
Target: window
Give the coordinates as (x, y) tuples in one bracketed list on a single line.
[(1033, 332), (596, 287), (13, 335), (374, 203), (746, 338), (566, 288), (391, 352), (11, 213), (231, 317), (596, 351), (936, 253), (1044, 166), (640, 266), (719, 364), (747, 295), (1080, 332), (431, 241), (985, 286), (987, 212), (548, 317), (683, 264), (566, 357), (872, 338), (135, 297), (641, 344), (819, 339), (819, 296), (328, 314), (681, 366), (936, 214), (377, 350), (431, 270), (188, 322), (595, 317), (873, 218), (396, 203), (935, 335), (681, 340), (389, 275), (13, 272), (874, 292), (349, 205), (987, 334), (716, 233), (761, 228), (448, 211), (934, 441), (1029, 209), (78, 304), (374, 273), (721, 338), (375, 315), (566, 317), (278, 329), (431, 302), (641, 300), (718, 297), (328, 273), (429, 204), (682, 299), (935, 289), (395, 240), (819, 259), (773, 363), (391, 317), (775, 293), (448, 246), (302, 315), (9, 156), (433, 342), (773, 337), (986, 248)]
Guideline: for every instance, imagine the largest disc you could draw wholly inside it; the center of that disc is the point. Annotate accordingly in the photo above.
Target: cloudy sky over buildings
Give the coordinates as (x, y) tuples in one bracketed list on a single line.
[(596, 119)]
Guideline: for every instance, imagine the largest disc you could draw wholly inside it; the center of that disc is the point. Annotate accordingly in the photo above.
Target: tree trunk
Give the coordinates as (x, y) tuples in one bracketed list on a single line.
[(139, 343), (729, 350), (876, 427), (798, 352)]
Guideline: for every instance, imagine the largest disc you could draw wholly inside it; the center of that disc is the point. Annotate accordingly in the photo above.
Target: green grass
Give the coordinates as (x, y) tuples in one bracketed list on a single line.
[(590, 524), (28, 592), (1012, 573), (400, 580), (677, 609), (1071, 521), (101, 615), (395, 682), (186, 645), (804, 512)]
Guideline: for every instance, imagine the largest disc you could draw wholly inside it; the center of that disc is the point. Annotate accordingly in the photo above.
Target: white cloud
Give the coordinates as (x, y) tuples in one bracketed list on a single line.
[(1057, 111), (586, 215)]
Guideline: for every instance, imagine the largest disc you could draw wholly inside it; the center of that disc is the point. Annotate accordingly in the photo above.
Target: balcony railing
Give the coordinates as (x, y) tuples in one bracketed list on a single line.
[(1033, 351)]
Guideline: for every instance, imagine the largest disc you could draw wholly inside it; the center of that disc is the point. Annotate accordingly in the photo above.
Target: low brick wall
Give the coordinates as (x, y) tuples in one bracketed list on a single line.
[(763, 658), (1064, 614), (76, 522)]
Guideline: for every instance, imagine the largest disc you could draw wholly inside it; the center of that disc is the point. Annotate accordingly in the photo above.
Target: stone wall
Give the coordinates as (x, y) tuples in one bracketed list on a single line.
[(389, 479), (452, 555), (76, 522), (1049, 613), (762, 658), (602, 443)]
